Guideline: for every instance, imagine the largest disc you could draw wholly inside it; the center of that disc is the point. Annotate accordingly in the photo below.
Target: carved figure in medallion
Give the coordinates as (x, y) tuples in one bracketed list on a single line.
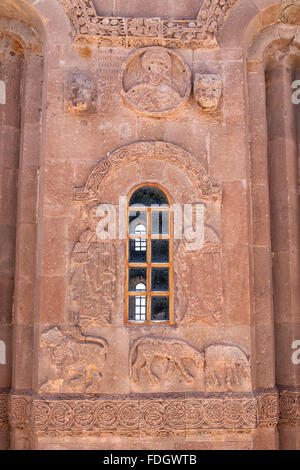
[(73, 362), (94, 278), (207, 90), (155, 81)]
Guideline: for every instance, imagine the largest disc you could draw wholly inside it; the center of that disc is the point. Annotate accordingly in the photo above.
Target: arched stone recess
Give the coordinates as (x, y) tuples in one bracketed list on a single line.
[(182, 176), (272, 59)]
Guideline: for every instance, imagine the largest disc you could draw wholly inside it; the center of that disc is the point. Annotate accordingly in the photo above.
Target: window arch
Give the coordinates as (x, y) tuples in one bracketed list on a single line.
[(149, 257)]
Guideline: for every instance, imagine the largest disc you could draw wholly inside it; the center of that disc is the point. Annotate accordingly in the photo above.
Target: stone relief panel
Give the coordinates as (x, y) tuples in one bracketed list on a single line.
[(93, 282), (198, 273), (221, 367), (155, 82), (80, 94), (71, 362), (208, 90)]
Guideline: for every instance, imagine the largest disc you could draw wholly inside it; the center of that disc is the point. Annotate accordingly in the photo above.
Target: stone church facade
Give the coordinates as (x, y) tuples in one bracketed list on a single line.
[(149, 224)]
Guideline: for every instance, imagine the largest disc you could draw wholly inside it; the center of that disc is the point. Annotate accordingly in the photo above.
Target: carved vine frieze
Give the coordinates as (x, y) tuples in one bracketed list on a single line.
[(73, 362), (159, 150), (224, 367), (88, 27), (155, 82)]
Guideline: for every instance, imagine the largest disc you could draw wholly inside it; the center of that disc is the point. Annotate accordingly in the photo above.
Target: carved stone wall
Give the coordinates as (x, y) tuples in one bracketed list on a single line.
[(126, 100)]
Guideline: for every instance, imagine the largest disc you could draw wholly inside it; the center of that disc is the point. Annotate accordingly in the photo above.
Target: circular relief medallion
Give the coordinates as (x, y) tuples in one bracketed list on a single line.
[(154, 414), (194, 413), (214, 412), (62, 415), (41, 414), (155, 81), (107, 414), (84, 414), (129, 415), (175, 415), (233, 414)]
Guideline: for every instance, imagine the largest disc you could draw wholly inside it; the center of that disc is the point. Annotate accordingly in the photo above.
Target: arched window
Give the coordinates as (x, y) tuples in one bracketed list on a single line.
[(149, 257)]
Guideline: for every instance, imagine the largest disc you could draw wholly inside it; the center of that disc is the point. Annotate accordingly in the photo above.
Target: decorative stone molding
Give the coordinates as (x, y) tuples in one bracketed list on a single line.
[(19, 411), (290, 407), (88, 27), (268, 409), (155, 82), (159, 150), (140, 414), (4, 412)]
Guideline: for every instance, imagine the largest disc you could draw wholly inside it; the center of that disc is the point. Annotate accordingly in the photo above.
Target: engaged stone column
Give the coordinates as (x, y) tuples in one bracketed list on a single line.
[(284, 205), (11, 66)]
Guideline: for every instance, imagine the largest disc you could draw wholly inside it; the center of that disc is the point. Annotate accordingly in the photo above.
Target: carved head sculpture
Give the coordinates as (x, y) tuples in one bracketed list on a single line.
[(156, 65), (82, 94), (207, 90)]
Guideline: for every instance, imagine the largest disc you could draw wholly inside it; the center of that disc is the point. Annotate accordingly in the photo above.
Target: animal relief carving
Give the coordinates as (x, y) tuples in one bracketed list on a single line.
[(207, 91), (155, 81), (224, 367), (71, 363), (94, 278), (145, 350)]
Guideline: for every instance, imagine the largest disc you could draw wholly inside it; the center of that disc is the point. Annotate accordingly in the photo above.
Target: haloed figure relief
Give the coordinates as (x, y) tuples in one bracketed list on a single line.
[(94, 278), (155, 81)]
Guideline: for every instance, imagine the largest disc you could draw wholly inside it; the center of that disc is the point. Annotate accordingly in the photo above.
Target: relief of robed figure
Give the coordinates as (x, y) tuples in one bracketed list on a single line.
[(94, 278)]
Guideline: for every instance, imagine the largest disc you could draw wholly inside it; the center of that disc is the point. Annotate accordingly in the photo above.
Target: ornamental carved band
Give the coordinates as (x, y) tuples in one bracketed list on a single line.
[(200, 32), (154, 150), (150, 414)]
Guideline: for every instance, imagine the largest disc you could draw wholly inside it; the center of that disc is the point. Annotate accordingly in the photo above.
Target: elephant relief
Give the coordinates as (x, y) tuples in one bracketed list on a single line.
[(71, 363), (225, 367)]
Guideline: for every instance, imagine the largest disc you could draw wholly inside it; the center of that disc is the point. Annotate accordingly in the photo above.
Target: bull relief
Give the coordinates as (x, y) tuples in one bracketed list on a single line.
[(155, 81), (220, 367), (93, 282), (73, 362)]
